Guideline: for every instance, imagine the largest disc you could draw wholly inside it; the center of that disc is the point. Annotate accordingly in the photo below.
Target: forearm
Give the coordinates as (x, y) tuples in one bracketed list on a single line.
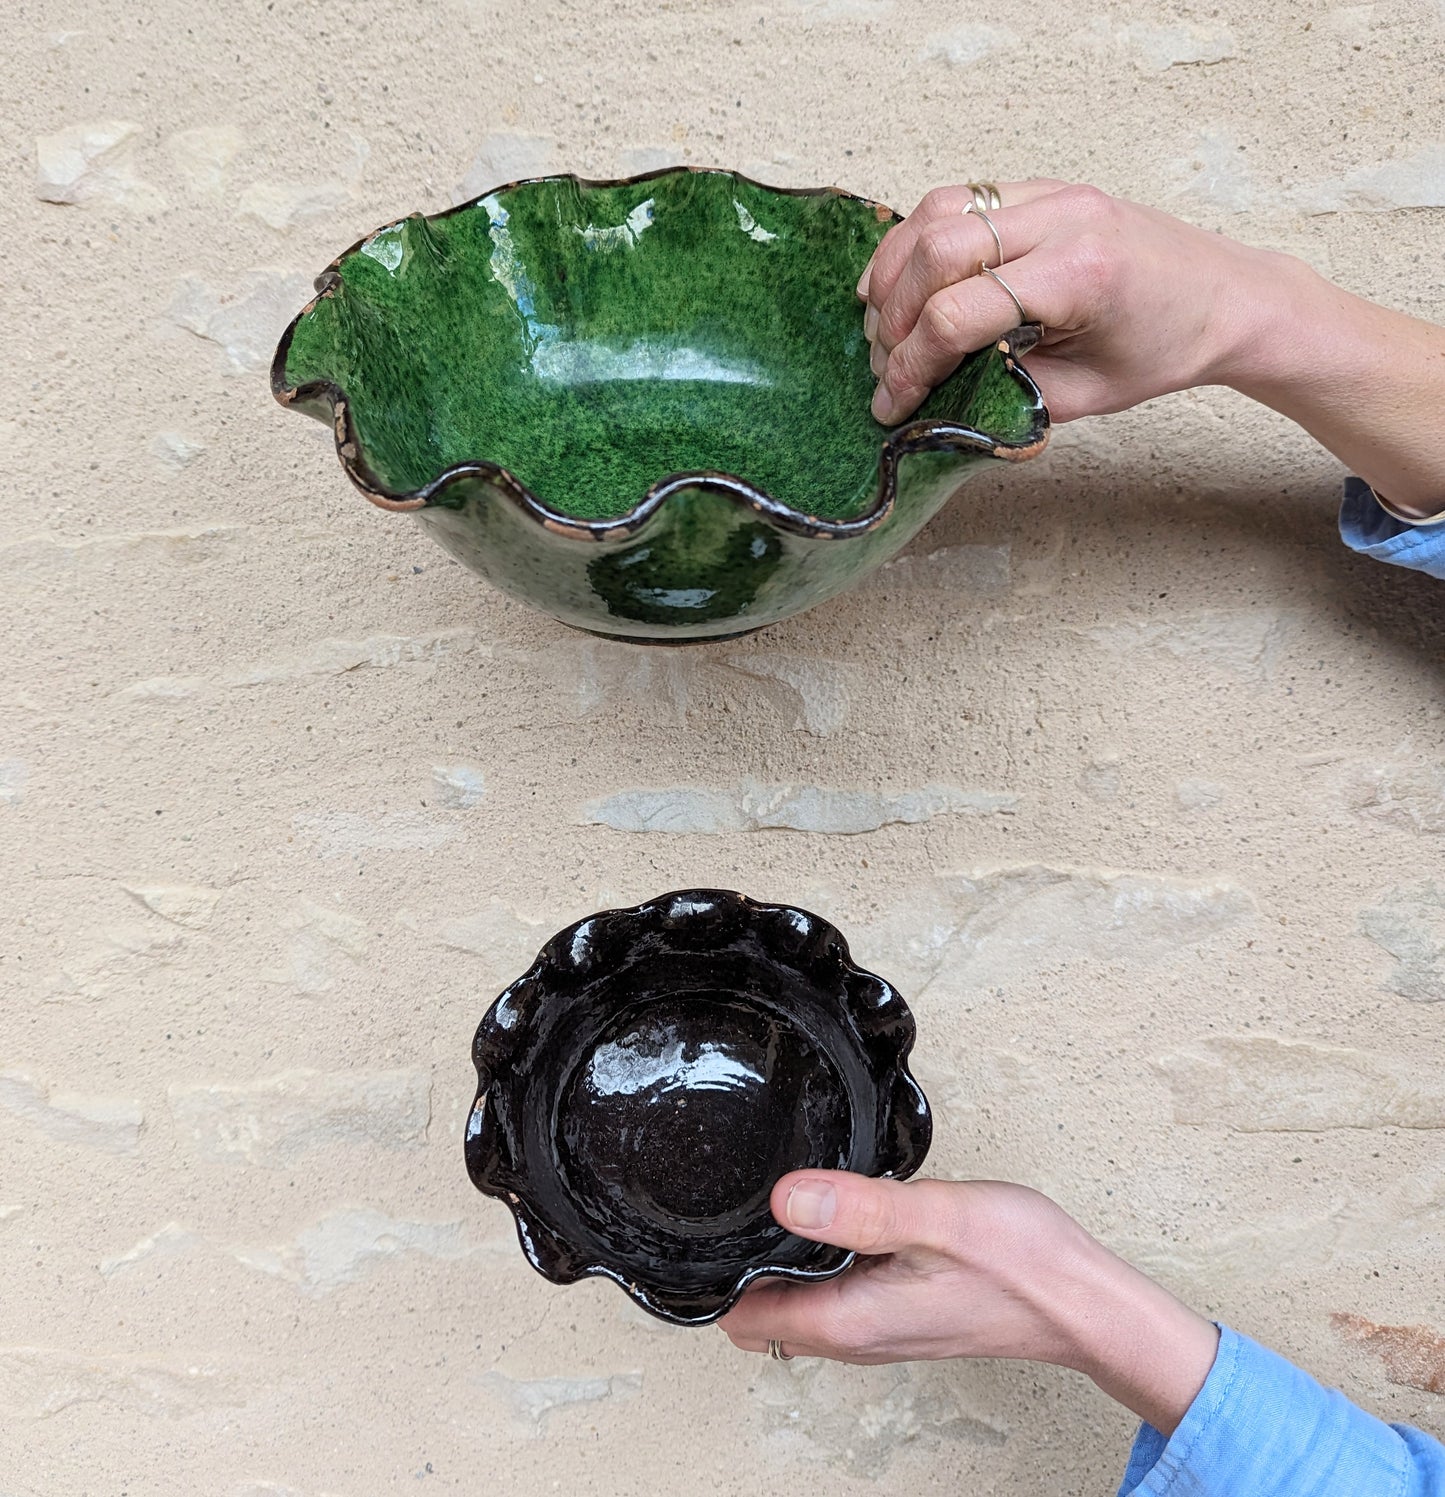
[(1366, 382)]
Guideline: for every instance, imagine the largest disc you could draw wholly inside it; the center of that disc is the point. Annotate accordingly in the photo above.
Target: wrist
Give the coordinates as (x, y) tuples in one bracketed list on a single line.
[(1136, 1341), (1273, 310), (1361, 379)]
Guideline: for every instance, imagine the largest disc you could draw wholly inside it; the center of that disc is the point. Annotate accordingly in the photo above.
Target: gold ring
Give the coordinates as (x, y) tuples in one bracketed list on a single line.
[(1423, 522), (985, 194), (975, 209), (776, 1352), (993, 275)]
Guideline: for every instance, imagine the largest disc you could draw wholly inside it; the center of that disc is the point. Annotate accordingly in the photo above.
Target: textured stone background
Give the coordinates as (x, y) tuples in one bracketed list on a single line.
[(1155, 767)]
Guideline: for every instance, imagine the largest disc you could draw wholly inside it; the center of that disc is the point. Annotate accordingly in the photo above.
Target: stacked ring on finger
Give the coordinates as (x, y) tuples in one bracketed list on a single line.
[(994, 276), (776, 1352), (992, 228), (985, 194)]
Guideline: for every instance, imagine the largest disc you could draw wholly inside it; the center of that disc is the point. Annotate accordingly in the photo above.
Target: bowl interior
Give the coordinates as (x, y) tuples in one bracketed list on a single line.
[(681, 1112), (595, 339)]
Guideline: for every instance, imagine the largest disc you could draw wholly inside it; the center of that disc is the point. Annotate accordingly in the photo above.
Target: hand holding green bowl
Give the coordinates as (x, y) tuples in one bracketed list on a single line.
[(642, 406)]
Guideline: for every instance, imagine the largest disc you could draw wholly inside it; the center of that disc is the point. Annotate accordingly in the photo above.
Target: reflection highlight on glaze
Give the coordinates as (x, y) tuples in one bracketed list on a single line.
[(386, 248), (617, 236), (625, 1069), (559, 360), (509, 273), (579, 362), (751, 227)]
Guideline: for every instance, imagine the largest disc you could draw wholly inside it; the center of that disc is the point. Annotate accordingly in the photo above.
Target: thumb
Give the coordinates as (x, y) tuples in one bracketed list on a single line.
[(851, 1211)]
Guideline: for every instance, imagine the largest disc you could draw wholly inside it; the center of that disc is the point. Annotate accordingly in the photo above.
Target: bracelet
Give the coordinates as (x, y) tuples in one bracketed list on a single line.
[(1424, 521)]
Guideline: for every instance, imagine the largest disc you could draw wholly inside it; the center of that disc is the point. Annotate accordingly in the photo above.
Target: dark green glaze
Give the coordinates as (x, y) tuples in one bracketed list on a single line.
[(641, 406)]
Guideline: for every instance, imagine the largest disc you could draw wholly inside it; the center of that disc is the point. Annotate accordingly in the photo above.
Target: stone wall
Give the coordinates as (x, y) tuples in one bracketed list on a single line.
[(1153, 771)]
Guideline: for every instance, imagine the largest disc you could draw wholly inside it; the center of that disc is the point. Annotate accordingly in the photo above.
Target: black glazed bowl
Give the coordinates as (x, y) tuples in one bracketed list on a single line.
[(643, 1086)]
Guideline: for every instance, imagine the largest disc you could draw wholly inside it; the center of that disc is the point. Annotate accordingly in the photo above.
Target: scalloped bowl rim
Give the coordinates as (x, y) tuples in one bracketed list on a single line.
[(911, 436)]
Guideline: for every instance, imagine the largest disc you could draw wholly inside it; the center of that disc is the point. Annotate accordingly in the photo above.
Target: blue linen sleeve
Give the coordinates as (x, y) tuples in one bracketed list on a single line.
[(1261, 1427), (1366, 528)]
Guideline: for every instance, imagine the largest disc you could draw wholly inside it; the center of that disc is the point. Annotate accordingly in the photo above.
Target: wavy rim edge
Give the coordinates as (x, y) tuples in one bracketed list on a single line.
[(913, 436), (531, 1229)]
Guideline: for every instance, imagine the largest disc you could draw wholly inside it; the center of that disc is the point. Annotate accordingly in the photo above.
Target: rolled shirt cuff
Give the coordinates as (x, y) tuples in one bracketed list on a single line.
[(1366, 528), (1262, 1426)]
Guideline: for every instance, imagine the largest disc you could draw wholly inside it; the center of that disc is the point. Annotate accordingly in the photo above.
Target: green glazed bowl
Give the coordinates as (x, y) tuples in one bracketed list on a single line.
[(641, 406)]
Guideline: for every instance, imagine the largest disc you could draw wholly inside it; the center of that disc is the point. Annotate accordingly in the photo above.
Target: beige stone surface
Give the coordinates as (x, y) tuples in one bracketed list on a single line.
[(1128, 773)]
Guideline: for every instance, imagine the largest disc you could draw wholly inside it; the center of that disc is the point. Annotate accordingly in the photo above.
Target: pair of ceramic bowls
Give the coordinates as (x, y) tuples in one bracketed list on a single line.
[(643, 406)]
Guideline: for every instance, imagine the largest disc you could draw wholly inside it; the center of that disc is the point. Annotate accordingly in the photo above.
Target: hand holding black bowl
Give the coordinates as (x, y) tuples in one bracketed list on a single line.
[(645, 1084)]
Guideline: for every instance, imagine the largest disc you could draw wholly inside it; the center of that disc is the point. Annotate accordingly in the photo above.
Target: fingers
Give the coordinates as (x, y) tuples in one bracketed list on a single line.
[(1067, 248), (842, 1320), (873, 1217), (1071, 283), (945, 251), (941, 203), (962, 317), (807, 1319), (764, 1312), (810, 1320)]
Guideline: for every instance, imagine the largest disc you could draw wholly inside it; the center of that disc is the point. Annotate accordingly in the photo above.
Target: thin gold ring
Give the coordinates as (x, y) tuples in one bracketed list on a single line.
[(1423, 522), (993, 275), (776, 1352), (985, 194), (979, 213)]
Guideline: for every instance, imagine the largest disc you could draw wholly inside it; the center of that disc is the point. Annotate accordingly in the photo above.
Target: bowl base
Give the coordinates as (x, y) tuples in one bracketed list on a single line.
[(666, 640)]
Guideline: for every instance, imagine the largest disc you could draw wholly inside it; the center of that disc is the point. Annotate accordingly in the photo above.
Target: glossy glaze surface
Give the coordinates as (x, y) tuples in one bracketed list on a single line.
[(642, 1087), (642, 406), (689, 1108)]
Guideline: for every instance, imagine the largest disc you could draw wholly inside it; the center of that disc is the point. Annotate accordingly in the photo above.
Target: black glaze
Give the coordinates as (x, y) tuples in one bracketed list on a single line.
[(643, 1085)]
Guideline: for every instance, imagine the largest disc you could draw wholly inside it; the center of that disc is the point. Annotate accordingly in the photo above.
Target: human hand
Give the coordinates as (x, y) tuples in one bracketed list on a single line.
[(1133, 302), (974, 1269)]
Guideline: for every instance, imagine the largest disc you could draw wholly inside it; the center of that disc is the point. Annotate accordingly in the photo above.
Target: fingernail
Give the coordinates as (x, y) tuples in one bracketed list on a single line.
[(862, 289), (870, 323), (811, 1204), (885, 405), (878, 360)]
